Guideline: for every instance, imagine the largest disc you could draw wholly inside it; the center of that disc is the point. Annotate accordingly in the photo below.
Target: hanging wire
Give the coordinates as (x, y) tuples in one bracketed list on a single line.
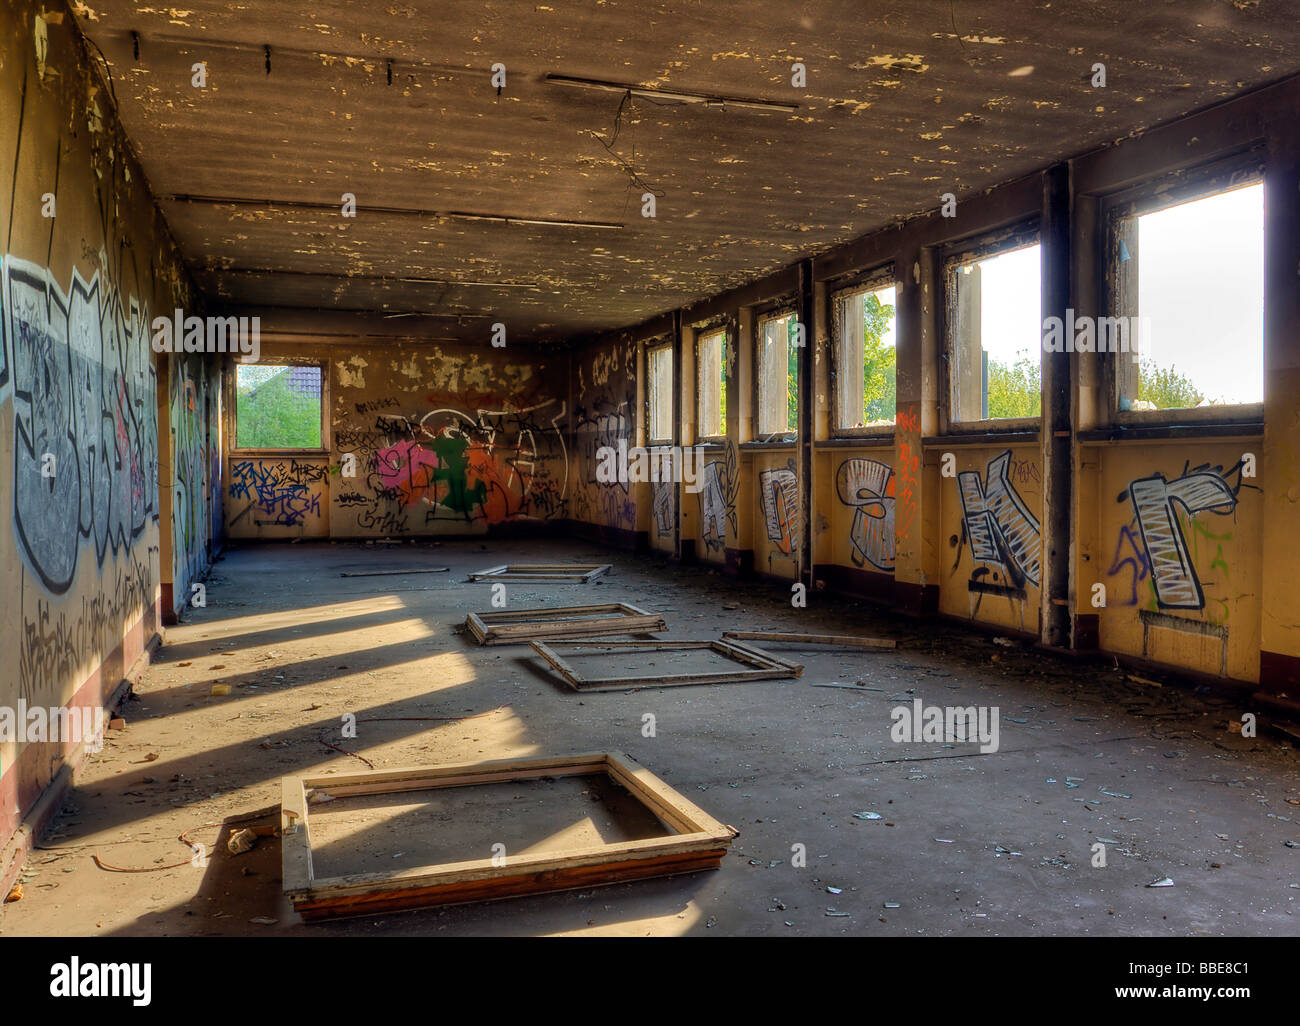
[(627, 105)]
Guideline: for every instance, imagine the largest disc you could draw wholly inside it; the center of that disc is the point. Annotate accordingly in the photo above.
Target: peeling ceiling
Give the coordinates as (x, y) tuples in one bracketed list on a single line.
[(395, 103)]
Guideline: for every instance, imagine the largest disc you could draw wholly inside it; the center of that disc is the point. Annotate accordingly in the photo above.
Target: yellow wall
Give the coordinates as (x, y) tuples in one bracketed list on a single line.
[(105, 446), (1187, 520), (443, 440)]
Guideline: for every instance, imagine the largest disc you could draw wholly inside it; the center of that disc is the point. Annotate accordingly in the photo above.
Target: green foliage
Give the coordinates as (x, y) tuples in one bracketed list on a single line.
[(792, 375), (271, 415), (722, 388), (1015, 391), (1166, 389), (879, 362)]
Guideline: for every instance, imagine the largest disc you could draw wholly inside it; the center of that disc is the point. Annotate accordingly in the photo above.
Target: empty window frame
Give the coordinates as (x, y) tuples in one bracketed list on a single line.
[(778, 336), (711, 384), (1186, 331), (278, 406), (659, 398), (994, 331), (864, 319)]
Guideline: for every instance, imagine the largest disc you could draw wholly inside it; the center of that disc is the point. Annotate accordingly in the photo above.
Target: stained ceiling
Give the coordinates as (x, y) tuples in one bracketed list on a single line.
[(395, 103)]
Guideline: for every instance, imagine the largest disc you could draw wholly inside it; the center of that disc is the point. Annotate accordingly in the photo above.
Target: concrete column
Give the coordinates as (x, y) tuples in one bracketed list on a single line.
[(807, 317), (916, 504), (1056, 434), (1279, 471)]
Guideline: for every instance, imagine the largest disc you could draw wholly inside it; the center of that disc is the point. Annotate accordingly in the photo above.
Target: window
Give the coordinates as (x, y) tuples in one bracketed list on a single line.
[(1189, 290), (995, 334), (866, 385), (660, 362), (778, 374), (711, 389), (278, 407)]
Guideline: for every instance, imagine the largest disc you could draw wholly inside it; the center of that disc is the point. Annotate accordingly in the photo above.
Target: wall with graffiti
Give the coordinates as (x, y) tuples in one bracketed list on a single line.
[(604, 393), (1180, 557), (665, 495), (424, 440), (990, 511), (194, 418), (85, 262), (779, 526), (276, 497), (719, 485), (860, 520)]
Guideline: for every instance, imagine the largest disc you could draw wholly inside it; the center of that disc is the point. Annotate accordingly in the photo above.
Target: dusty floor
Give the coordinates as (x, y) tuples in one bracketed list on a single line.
[(968, 844)]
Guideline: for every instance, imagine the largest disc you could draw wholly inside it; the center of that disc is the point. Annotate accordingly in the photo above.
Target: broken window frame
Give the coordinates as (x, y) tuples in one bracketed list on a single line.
[(562, 573), (753, 664), (1121, 208), (232, 410), (517, 626), (694, 840), (651, 394), (762, 317), (1022, 235), (869, 281), (703, 333)]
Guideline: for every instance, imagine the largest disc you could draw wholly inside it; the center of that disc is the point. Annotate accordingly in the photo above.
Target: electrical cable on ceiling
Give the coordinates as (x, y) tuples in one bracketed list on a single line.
[(634, 179)]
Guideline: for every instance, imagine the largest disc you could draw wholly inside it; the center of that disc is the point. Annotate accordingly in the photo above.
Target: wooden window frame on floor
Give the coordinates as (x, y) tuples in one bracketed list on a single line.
[(698, 842), (807, 640), (517, 626), (562, 572), (763, 665)]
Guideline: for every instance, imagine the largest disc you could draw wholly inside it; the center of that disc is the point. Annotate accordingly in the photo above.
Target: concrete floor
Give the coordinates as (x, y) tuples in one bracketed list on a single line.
[(968, 845)]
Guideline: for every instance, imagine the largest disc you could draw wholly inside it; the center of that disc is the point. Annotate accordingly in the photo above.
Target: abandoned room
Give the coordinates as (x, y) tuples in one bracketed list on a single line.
[(650, 470)]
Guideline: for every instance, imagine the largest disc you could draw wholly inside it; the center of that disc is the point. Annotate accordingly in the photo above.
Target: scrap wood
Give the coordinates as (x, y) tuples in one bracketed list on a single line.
[(265, 830), (516, 626), (560, 572), (393, 573), (398, 719), (694, 841), (779, 638), (756, 664)]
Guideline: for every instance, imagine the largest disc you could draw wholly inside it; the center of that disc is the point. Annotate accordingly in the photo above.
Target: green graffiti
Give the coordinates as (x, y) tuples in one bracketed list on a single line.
[(452, 468)]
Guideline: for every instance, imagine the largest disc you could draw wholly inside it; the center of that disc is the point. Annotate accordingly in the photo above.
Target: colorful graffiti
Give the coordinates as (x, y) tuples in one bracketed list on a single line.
[(719, 480), (1002, 532), (867, 486), (489, 465), (286, 490), (1164, 557), (191, 458), (609, 422), (1129, 555), (908, 430), (85, 424), (779, 492), (664, 498)]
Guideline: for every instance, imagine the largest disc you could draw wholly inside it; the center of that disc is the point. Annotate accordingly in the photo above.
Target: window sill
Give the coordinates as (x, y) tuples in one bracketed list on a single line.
[(775, 444), (1151, 432), (856, 441), (317, 454), (1014, 436)]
